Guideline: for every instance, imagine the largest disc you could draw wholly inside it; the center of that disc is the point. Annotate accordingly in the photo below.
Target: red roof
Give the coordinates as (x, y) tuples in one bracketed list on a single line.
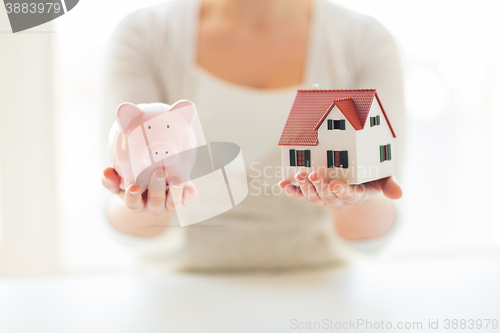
[(311, 107)]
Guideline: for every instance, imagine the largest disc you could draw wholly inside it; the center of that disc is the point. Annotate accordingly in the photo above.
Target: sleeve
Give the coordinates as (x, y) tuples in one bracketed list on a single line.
[(378, 66), (131, 72), (131, 75)]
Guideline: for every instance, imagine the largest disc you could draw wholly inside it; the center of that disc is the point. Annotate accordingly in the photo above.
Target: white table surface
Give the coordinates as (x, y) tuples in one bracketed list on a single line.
[(392, 291)]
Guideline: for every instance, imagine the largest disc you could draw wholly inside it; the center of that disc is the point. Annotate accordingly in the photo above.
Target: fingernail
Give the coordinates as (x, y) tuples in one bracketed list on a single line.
[(175, 182), (104, 174), (132, 192), (314, 181), (160, 175), (300, 177)]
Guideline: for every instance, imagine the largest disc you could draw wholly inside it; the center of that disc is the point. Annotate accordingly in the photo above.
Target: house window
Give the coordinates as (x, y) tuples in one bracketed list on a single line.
[(374, 121), (385, 153), (301, 157), (337, 159), (336, 124)]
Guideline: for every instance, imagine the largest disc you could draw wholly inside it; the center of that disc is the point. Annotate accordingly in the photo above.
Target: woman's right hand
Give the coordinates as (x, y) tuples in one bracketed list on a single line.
[(158, 200)]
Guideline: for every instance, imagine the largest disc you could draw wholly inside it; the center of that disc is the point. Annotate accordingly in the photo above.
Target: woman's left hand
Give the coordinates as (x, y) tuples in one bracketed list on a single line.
[(337, 194)]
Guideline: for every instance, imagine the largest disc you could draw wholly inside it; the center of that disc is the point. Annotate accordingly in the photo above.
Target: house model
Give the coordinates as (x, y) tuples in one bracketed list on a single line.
[(345, 134)]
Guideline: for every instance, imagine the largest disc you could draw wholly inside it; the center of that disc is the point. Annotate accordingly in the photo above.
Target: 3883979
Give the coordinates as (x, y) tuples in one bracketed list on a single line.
[(33, 7), (470, 324)]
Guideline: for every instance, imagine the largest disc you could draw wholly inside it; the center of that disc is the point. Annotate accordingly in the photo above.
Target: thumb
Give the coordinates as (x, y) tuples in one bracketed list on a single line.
[(391, 188)]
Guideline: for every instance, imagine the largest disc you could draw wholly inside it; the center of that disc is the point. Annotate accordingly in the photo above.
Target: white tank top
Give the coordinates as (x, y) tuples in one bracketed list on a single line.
[(267, 229)]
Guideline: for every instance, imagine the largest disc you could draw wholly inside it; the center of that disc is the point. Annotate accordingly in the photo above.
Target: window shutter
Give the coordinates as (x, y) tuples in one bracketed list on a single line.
[(378, 120), (345, 159), (381, 153), (371, 122), (292, 157), (307, 156), (330, 124), (389, 152), (342, 124), (329, 159)]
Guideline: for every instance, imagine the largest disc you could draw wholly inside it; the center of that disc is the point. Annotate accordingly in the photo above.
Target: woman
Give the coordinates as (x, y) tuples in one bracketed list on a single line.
[(241, 62)]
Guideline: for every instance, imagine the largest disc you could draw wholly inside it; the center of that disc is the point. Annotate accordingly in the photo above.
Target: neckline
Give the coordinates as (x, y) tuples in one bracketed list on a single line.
[(227, 85), (308, 63)]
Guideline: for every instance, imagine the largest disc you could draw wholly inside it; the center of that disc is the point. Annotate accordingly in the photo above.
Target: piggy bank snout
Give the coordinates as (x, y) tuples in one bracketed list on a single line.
[(163, 151)]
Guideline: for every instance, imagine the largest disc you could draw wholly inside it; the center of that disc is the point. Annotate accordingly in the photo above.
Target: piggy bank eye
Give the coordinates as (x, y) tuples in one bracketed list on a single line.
[(168, 126), (149, 127), (156, 153), (166, 152)]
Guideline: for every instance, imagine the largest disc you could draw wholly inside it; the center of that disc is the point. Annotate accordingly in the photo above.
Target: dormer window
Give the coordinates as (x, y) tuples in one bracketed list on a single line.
[(336, 124)]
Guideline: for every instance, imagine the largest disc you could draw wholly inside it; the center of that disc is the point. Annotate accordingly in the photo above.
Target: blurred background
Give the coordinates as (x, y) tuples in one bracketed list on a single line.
[(52, 203)]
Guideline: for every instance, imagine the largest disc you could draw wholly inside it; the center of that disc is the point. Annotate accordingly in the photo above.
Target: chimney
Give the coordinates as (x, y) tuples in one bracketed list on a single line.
[(315, 87)]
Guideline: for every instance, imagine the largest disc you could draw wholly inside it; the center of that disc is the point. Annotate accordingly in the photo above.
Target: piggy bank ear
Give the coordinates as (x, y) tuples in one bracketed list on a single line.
[(125, 113), (185, 108)]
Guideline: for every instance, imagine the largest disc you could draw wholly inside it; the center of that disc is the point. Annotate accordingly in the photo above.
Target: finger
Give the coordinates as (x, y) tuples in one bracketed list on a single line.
[(189, 196), (346, 192), (133, 198), (290, 189), (391, 188), (112, 187), (174, 197), (308, 189), (111, 180), (320, 183), (157, 192)]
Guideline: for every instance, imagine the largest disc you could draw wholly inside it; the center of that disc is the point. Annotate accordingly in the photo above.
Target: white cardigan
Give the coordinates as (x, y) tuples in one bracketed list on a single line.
[(152, 57)]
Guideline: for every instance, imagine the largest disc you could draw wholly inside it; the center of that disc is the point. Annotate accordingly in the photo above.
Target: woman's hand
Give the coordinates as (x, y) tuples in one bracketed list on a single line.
[(358, 211), (157, 201), (337, 194)]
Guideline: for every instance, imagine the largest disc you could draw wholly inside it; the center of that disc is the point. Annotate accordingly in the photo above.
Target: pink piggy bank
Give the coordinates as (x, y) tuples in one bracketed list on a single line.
[(147, 137)]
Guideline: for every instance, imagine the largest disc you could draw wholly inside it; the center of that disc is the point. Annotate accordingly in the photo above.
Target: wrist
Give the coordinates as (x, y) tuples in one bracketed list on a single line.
[(134, 223), (371, 219)]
